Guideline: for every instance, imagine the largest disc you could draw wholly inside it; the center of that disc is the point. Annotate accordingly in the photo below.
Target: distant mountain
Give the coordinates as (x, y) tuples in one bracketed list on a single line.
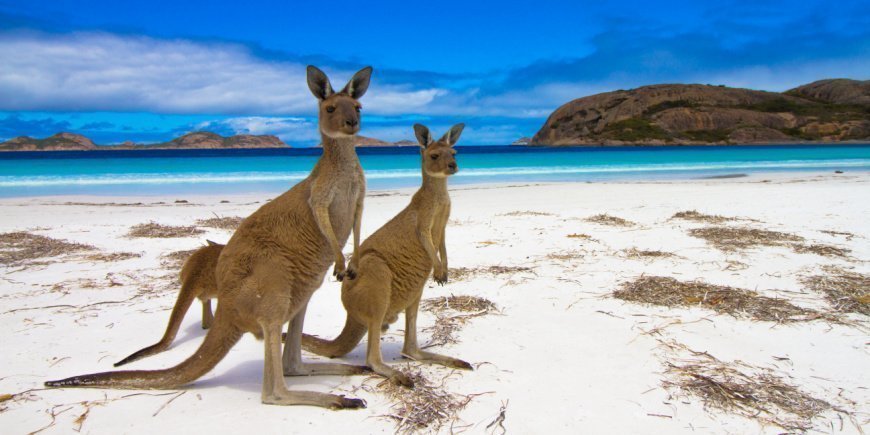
[(364, 141), (824, 111), (196, 140)]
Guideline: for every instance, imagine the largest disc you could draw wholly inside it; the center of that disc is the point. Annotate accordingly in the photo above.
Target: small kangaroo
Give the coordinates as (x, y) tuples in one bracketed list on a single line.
[(275, 261), (394, 264), (197, 282)]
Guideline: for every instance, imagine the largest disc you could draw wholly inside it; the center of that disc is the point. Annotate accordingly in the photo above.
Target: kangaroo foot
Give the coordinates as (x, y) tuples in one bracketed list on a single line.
[(313, 369)]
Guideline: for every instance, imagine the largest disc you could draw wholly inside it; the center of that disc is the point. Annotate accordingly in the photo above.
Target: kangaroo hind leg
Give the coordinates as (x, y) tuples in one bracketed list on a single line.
[(292, 359), (412, 350)]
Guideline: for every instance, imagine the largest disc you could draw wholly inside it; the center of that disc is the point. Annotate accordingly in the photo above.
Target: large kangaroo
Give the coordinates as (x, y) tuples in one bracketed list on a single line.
[(197, 282), (394, 264), (275, 261)]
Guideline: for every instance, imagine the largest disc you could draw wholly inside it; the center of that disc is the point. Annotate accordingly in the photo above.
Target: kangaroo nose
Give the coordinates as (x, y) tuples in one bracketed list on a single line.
[(351, 122), (451, 165)]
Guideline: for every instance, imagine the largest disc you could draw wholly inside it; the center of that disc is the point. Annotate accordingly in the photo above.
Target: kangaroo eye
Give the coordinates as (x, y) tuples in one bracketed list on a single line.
[(358, 108), (434, 156), (330, 109)]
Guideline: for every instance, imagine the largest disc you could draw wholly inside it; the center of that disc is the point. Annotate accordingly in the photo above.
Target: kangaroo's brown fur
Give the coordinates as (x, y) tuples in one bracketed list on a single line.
[(394, 264), (275, 261), (197, 282)]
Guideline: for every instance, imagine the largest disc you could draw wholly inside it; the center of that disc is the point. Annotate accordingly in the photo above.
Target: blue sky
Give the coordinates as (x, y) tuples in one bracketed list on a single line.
[(149, 71)]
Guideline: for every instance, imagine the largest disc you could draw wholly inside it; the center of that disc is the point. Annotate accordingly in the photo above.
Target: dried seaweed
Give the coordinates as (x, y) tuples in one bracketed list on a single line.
[(696, 216), (426, 406), (646, 254), (21, 247), (752, 392), (735, 238), (526, 213), (222, 223), (113, 256), (847, 292), (823, 250), (739, 303), (451, 314), (463, 273), (155, 230), (605, 219)]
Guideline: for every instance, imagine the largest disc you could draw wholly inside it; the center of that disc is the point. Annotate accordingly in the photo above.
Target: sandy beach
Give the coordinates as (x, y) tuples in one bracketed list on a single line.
[(708, 306)]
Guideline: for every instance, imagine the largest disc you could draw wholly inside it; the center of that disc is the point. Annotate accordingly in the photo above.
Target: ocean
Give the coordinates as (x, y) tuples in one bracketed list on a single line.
[(236, 171)]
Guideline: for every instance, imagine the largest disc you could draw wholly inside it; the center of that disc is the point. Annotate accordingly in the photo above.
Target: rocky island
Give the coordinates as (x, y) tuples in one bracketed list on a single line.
[(195, 140), (824, 111)]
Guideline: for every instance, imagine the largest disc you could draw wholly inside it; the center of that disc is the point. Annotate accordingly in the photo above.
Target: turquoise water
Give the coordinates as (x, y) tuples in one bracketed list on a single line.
[(158, 172)]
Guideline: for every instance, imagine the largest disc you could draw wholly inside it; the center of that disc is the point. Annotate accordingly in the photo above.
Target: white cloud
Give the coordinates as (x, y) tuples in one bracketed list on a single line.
[(102, 71)]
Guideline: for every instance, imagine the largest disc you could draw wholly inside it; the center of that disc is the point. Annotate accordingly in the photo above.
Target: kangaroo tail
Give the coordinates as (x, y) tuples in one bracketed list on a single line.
[(218, 342), (185, 298), (350, 336)]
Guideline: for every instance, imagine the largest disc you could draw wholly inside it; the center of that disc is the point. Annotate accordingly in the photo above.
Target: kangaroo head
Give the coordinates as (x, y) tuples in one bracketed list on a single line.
[(439, 157), (339, 111)]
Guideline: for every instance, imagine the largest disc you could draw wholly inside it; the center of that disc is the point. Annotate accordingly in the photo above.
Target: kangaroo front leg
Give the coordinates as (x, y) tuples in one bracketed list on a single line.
[(293, 365), (275, 391), (353, 266), (320, 207), (412, 350), (375, 360), (442, 252), (424, 234)]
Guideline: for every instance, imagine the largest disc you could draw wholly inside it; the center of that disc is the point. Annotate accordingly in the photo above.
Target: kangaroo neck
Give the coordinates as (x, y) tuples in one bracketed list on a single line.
[(338, 152), (434, 186)]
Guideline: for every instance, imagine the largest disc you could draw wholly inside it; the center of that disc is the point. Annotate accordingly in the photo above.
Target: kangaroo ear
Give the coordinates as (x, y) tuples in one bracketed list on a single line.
[(423, 135), (359, 83), (319, 83), (452, 135)]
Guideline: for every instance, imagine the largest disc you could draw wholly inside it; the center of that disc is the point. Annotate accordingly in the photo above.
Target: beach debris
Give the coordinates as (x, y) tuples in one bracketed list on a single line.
[(605, 219), (845, 234), (736, 302), (845, 291), (463, 273), (222, 223), (696, 216), (427, 406), (565, 256), (526, 213), (581, 237), (451, 314), (497, 425), (736, 238), (20, 247), (820, 249), (154, 230), (113, 256), (646, 254), (176, 259), (738, 388)]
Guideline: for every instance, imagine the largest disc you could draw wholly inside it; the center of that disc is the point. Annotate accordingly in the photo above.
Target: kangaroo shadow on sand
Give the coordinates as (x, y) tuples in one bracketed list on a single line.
[(248, 376)]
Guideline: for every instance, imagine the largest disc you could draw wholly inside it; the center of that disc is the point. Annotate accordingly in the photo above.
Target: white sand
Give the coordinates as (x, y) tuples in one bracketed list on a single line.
[(563, 357)]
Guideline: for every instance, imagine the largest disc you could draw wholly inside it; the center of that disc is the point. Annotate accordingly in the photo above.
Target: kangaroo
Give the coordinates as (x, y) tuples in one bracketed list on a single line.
[(276, 259), (197, 281), (394, 264)]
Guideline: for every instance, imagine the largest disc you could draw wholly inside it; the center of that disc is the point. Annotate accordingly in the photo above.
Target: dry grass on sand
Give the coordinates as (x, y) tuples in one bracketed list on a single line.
[(696, 216), (751, 392), (646, 254), (526, 213), (21, 247), (452, 313), (739, 303), (735, 238), (605, 219), (823, 250), (463, 273), (426, 407), (155, 230), (222, 223), (113, 256), (847, 292)]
